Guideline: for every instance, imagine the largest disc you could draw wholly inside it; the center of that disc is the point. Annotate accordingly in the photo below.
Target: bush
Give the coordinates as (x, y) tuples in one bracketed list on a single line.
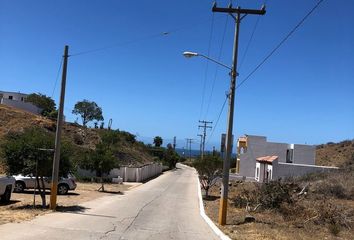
[(274, 193), (269, 195), (332, 189), (332, 216)]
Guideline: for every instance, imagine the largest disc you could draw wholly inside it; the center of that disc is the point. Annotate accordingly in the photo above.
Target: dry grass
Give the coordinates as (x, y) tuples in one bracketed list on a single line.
[(21, 205), (320, 213), (335, 154)]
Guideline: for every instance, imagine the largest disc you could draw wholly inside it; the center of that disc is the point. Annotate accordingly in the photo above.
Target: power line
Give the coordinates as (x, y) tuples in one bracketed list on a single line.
[(120, 44), (217, 121), (280, 43), (249, 43), (56, 79), (206, 67), (156, 35), (217, 67)]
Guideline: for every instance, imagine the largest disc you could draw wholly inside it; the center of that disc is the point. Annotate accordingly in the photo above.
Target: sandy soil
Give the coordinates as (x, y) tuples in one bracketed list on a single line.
[(268, 224), (21, 206)]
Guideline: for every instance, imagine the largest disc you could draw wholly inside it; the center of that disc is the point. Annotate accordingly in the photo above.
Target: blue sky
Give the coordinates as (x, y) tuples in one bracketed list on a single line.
[(302, 94)]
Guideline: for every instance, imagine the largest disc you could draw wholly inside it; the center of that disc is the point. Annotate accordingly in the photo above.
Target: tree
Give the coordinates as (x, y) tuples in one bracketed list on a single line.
[(42, 101), (170, 156), (23, 151), (88, 111), (209, 170), (102, 159), (158, 141)]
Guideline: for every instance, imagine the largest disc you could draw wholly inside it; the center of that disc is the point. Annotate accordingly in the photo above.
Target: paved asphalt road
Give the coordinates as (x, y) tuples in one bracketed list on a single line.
[(164, 208)]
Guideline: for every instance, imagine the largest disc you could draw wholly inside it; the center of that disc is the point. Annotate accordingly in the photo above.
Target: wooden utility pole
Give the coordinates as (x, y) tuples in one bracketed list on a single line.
[(174, 143), (204, 126), (237, 14), (189, 141), (56, 160), (201, 144)]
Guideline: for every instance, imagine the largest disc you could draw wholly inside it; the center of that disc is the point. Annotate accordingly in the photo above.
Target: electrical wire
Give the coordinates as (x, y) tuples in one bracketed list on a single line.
[(249, 43), (217, 67), (156, 35), (56, 79), (120, 44), (280, 43), (217, 120), (206, 67)]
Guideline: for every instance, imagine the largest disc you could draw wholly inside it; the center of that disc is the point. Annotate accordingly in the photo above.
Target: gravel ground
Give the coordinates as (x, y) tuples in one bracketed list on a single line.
[(21, 206)]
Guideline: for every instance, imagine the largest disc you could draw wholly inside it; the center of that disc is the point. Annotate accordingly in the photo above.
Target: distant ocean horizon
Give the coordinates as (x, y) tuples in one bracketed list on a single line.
[(194, 153)]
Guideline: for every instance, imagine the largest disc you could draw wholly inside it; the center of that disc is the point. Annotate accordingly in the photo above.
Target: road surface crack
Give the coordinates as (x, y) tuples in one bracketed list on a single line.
[(109, 231), (145, 205)]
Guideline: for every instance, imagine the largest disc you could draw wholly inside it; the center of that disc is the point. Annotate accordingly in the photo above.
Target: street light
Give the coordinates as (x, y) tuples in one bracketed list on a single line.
[(231, 96), (194, 54), (190, 54)]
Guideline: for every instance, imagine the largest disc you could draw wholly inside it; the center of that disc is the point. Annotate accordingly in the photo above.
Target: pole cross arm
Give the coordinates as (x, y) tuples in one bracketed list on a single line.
[(239, 10)]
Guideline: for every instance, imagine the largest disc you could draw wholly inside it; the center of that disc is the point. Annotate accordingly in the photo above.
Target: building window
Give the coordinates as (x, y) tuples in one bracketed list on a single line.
[(257, 173), (289, 155), (10, 97), (22, 99)]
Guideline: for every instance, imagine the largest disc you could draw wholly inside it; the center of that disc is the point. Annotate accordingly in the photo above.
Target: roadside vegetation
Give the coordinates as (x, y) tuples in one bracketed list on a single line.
[(31, 152), (27, 143), (209, 171), (314, 206)]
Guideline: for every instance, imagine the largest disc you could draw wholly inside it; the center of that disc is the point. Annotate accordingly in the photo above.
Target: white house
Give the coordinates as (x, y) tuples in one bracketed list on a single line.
[(17, 100), (264, 161)]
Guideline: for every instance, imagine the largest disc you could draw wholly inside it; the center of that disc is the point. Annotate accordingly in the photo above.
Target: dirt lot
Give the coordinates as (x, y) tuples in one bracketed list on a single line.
[(300, 221), (21, 205)]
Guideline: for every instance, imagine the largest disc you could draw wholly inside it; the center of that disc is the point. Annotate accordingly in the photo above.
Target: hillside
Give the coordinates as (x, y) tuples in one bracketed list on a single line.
[(335, 154), (129, 152)]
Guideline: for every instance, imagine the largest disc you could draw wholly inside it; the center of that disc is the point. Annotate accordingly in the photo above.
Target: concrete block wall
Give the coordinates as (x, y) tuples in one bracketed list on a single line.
[(276, 149), (304, 154), (255, 148), (283, 170), (129, 174)]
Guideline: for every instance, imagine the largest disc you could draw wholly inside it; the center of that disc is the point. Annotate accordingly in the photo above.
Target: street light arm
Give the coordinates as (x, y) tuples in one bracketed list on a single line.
[(194, 54), (219, 63)]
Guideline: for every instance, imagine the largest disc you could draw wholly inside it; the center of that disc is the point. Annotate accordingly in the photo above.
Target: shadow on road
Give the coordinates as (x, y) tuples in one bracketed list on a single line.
[(47, 193), (113, 192)]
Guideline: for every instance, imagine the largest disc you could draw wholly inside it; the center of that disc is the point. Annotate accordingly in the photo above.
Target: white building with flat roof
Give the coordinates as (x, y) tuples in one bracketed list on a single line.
[(17, 100), (264, 161)]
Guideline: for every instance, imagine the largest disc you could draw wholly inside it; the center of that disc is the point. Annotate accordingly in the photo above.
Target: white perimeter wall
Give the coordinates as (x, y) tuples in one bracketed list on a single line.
[(129, 174), (283, 170)]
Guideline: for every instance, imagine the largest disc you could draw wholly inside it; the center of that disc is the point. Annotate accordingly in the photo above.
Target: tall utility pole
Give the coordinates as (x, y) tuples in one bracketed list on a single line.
[(237, 14), (204, 126), (54, 187), (201, 144), (189, 141)]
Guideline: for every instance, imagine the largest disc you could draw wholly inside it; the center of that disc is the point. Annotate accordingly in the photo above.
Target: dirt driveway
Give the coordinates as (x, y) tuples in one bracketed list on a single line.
[(21, 206)]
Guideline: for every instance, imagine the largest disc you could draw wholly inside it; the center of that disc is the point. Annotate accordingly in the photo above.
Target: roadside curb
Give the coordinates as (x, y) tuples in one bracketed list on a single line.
[(211, 224)]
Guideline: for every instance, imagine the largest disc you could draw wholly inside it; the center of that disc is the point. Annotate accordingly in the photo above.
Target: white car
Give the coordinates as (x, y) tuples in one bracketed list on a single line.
[(7, 185), (29, 182)]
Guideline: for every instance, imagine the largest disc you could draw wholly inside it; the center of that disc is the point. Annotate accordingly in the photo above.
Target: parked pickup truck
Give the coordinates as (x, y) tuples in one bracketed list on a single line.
[(29, 182), (7, 185)]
